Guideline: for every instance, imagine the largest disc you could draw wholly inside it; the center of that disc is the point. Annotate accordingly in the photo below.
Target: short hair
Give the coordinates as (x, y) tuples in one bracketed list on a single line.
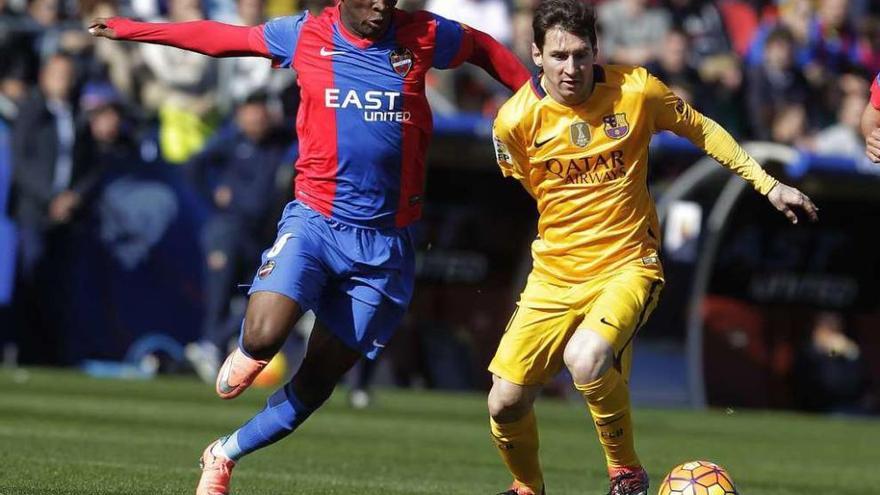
[(574, 16), (780, 34)]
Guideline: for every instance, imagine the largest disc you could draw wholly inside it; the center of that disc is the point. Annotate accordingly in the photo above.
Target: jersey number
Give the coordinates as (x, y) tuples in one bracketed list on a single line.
[(278, 246)]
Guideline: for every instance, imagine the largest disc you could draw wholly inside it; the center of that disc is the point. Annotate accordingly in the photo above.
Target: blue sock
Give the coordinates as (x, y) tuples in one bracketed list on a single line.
[(283, 413)]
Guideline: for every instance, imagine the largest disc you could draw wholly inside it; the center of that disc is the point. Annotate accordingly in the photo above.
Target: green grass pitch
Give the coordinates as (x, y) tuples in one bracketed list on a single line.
[(64, 433)]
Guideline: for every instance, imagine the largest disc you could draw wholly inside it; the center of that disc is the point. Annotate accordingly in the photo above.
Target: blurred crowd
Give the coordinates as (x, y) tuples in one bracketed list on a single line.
[(790, 71), (74, 108)]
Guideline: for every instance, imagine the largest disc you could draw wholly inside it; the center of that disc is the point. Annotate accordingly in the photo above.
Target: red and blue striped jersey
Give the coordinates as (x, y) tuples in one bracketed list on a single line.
[(364, 122)]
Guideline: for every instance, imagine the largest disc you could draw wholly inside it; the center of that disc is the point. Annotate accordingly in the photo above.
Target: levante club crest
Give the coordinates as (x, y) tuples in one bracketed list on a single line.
[(616, 125), (401, 61)]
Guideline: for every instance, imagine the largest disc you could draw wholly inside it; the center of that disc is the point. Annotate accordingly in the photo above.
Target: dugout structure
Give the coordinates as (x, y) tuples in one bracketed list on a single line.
[(756, 284)]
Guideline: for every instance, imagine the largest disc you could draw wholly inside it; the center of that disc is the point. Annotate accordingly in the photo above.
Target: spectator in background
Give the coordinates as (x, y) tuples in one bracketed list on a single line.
[(703, 24), (114, 61), (829, 369), (51, 32), (469, 89), (793, 15), (489, 16), (672, 68), (48, 187), (183, 90), (777, 91), (631, 31), (722, 77), (104, 143), (868, 30), (844, 138), (18, 61), (833, 40), (243, 76), (237, 174)]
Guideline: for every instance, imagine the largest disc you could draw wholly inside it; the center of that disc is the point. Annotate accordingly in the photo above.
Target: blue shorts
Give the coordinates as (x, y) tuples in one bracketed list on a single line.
[(357, 281)]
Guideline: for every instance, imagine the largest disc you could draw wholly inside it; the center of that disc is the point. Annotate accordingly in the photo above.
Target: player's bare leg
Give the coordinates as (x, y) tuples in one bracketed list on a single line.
[(596, 373), (515, 431), (267, 323), (326, 361)]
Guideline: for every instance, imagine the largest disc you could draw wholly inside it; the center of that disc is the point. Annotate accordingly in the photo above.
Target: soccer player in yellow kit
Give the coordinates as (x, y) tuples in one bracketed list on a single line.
[(577, 137)]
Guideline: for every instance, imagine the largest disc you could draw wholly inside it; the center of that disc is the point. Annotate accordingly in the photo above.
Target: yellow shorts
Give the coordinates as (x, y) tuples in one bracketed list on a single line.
[(548, 313)]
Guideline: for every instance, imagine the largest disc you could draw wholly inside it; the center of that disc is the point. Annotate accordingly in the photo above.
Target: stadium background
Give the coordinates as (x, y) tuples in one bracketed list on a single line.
[(755, 313)]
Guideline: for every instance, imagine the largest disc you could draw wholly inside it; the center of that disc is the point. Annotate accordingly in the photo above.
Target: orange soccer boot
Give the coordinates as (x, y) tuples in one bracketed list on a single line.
[(237, 374), (216, 473)]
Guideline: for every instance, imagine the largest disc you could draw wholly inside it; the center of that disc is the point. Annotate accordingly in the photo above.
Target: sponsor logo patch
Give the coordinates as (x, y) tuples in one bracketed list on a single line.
[(502, 154)]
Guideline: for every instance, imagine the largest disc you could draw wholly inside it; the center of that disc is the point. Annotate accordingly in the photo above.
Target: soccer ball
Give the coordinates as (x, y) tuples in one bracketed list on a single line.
[(698, 478), (274, 373)]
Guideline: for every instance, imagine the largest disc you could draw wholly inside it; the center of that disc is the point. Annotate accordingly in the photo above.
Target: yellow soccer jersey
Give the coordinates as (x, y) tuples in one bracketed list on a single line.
[(586, 167)]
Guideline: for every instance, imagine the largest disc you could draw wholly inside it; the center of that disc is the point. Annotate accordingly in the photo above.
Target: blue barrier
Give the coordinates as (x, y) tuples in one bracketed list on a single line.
[(843, 165)]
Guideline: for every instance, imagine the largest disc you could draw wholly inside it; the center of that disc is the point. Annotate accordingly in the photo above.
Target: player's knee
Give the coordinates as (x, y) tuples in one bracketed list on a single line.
[(588, 359), (260, 338), (507, 404)]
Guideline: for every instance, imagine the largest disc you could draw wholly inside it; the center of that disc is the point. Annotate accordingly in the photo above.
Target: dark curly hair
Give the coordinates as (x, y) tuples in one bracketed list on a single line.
[(574, 16)]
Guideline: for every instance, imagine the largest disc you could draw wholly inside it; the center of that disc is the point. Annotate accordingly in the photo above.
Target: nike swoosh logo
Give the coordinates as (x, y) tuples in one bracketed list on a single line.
[(328, 53), (603, 320), (377, 344), (610, 420), (224, 380), (538, 144)]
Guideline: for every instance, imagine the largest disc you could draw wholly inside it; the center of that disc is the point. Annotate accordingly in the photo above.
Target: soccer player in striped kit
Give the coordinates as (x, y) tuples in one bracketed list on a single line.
[(344, 247)]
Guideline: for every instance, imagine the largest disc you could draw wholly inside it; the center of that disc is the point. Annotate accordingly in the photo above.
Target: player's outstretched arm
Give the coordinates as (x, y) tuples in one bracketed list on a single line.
[(498, 61), (788, 200), (212, 38)]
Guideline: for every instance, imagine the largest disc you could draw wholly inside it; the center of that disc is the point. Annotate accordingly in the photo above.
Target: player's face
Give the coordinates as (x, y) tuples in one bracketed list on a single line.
[(368, 18), (567, 61)]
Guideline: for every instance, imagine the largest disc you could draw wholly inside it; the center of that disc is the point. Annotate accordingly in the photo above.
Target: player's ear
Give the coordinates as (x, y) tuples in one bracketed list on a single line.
[(536, 55)]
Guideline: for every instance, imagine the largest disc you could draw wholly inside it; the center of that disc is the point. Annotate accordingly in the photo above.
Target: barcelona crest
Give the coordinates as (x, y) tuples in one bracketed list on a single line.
[(616, 125), (580, 134), (401, 61)]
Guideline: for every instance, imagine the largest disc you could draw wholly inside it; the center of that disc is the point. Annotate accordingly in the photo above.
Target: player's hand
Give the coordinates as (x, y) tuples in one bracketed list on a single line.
[(788, 199), (100, 28), (872, 146)]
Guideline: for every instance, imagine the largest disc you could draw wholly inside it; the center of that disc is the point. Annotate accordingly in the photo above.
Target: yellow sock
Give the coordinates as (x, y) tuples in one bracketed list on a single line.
[(608, 400), (517, 443)]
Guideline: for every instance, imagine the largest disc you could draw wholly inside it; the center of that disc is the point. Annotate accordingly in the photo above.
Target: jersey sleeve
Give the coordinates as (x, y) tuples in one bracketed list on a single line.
[(453, 43), (510, 151), (671, 113), (282, 36), (875, 92)]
